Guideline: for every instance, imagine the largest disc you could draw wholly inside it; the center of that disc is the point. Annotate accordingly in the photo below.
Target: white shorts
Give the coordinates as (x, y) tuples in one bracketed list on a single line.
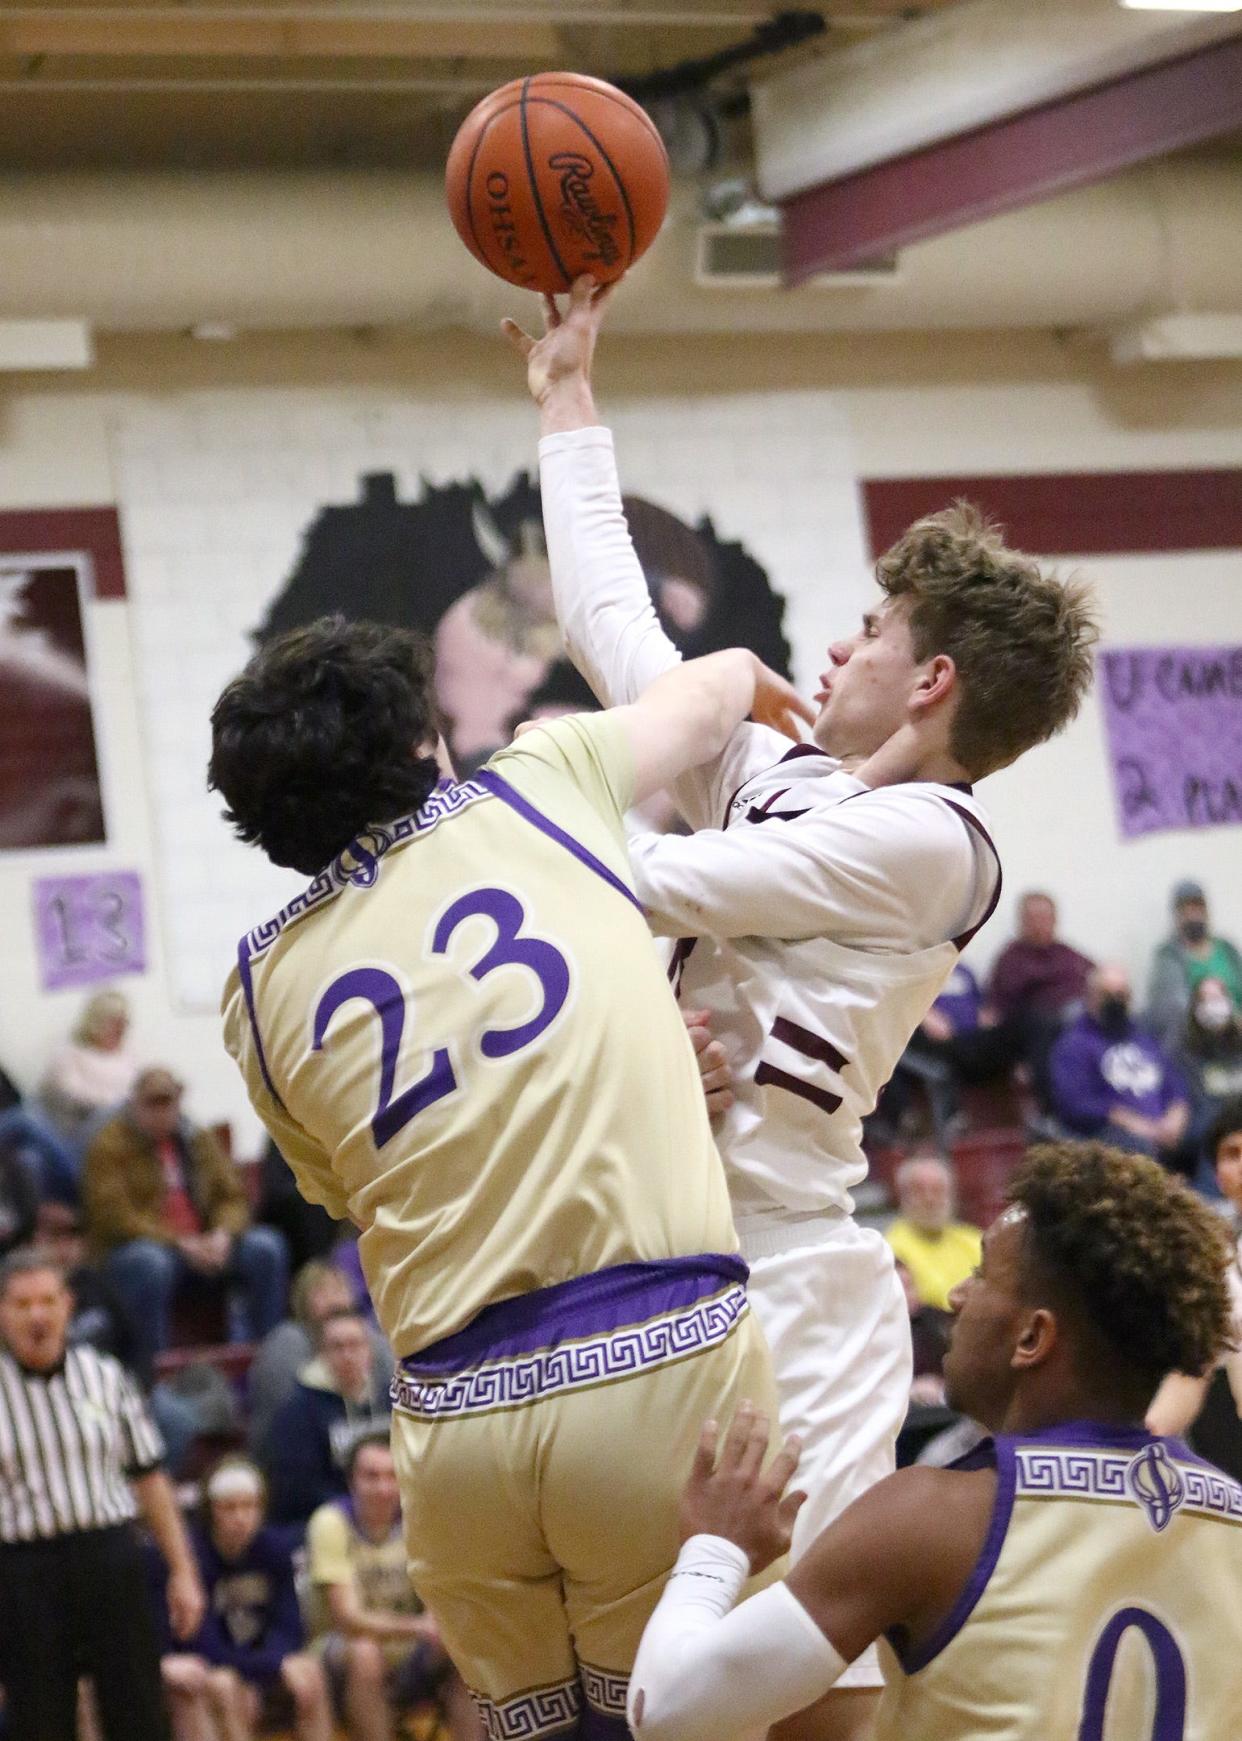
[(835, 1318)]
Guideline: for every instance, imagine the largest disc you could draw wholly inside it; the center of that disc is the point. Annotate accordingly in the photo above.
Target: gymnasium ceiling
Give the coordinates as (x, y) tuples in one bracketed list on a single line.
[(202, 83)]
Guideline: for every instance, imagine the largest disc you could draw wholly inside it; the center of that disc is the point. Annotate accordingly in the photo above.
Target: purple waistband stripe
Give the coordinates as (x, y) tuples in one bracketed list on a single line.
[(585, 1306), (598, 1329)]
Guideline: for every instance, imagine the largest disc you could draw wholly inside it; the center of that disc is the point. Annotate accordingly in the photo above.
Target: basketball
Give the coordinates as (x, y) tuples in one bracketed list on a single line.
[(557, 175)]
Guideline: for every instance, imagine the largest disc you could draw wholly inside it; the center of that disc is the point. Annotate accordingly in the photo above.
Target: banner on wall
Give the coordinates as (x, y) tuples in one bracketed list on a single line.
[(1174, 722), (49, 767), (88, 928)]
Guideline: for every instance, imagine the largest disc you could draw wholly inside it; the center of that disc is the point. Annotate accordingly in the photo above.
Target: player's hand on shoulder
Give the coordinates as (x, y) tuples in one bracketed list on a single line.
[(715, 1076), (740, 1495), (565, 352), (777, 703)]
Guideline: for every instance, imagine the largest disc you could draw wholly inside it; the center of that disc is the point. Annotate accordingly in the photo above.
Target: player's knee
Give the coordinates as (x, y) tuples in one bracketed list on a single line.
[(364, 1661)]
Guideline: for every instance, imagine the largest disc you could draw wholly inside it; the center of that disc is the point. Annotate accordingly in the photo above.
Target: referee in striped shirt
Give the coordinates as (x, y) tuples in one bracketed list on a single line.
[(79, 1456)]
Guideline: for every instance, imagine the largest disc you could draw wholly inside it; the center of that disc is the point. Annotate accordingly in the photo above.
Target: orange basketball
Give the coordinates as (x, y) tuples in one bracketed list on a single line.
[(556, 175)]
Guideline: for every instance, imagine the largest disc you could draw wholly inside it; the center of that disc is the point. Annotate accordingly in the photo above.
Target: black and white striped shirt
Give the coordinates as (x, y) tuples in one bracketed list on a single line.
[(69, 1439)]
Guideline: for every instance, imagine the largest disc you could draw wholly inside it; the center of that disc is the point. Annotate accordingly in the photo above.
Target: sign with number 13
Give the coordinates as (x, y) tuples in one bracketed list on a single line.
[(88, 928)]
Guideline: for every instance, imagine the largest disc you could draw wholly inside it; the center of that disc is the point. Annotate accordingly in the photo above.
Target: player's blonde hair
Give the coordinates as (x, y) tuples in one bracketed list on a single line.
[(1021, 639)]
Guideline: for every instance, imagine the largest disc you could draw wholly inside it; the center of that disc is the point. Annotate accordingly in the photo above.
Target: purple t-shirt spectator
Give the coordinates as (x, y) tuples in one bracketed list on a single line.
[(961, 1000), (1042, 977), (253, 1620), (1093, 1072)]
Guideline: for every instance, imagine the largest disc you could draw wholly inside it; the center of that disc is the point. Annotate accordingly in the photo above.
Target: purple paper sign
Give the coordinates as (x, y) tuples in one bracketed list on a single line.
[(1174, 718), (88, 927)]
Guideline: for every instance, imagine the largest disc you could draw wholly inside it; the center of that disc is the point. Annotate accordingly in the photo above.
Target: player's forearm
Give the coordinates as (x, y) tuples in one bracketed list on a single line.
[(703, 1671), (687, 715), (606, 617)]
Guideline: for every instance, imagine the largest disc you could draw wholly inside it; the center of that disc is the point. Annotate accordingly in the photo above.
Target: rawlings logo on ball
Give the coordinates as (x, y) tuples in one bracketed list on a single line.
[(580, 209)]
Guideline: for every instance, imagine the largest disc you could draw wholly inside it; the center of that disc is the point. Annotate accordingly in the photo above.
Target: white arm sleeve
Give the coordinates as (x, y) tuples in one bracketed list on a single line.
[(606, 617), (704, 1673)]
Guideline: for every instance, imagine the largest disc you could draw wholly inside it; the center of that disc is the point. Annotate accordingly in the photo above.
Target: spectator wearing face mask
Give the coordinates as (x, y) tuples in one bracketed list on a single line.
[(1182, 961), (1113, 1080), (1210, 1056)]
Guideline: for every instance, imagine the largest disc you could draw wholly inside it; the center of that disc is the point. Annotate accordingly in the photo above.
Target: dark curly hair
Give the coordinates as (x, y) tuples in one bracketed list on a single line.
[(1021, 639), (316, 740), (1227, 1123), (1138, 1258)]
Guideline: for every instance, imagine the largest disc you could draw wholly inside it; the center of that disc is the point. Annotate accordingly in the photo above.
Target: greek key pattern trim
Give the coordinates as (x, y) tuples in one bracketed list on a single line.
[(546, 1710), (604, 1689), (1045, 1472), (603, 1359), (357, 865)]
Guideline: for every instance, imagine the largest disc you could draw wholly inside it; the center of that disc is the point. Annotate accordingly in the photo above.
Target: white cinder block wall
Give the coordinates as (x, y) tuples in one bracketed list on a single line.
[(898, 406)]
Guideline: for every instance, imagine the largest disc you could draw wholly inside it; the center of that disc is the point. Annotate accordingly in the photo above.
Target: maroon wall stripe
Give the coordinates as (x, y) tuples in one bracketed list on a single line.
[(95, 530), (1012, 162), (1075, 513)]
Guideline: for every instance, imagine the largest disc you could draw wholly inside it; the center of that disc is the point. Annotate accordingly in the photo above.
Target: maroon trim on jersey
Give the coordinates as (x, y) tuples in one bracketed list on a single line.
[(810, 1044), (959, 943), (820, 1097), (802, 750)]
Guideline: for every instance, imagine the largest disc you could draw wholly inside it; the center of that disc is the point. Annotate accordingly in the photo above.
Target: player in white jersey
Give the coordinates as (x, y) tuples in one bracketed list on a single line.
[(819, 918), (461, 1036), (1075, 1579)]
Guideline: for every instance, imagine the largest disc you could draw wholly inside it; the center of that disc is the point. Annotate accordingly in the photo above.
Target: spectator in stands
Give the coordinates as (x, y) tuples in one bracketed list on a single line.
[(88, 1078), (938, 1251), (319, 1289), (19, 1201), (100, 1319), (79, 1457), (93, 1072), (1191, 954), (334, 1402), (382, 1651), (928, 1413), (1035, 973), (166, 1209), (1210, 1056), (252, 1636), (960, 1040), (1113, 1080), (309, 1231), (1211, 1403)]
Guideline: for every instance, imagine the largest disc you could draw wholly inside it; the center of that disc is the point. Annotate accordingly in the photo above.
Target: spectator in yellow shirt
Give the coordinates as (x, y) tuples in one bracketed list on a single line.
[(381, 1650), (938, 1251)]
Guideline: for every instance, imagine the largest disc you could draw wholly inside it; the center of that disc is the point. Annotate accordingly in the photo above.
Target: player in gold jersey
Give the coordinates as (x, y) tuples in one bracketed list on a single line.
[(1075, 1579), (460, 1035)]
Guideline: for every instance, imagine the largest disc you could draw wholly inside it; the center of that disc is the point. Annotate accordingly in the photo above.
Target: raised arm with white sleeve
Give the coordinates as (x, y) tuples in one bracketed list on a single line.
[(604, 609)]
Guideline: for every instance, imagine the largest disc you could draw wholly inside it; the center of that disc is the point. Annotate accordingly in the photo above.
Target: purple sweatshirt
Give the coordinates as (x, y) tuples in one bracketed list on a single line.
[(253, 1621), (1094, 1072)]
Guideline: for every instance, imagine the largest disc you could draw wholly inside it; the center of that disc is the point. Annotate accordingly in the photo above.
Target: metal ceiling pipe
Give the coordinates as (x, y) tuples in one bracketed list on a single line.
[(168, 252)]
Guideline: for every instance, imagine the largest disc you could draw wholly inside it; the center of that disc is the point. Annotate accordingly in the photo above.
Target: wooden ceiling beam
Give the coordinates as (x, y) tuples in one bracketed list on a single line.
[(191, 35)]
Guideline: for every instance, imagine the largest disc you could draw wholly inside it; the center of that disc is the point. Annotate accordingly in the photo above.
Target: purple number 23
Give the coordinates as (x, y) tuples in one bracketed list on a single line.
[(379, 988)]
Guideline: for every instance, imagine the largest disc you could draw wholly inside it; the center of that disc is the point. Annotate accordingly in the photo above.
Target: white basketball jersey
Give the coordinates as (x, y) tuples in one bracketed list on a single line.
[(1105, 1606), (815, 1026)]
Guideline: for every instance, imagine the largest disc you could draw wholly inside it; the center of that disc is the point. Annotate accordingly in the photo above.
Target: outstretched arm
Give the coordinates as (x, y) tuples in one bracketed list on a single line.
[(688, 714), (705, 1668), (604, 609)]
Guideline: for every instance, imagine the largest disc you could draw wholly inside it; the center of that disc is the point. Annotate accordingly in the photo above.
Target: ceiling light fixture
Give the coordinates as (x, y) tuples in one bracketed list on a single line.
[(1183, 5)]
